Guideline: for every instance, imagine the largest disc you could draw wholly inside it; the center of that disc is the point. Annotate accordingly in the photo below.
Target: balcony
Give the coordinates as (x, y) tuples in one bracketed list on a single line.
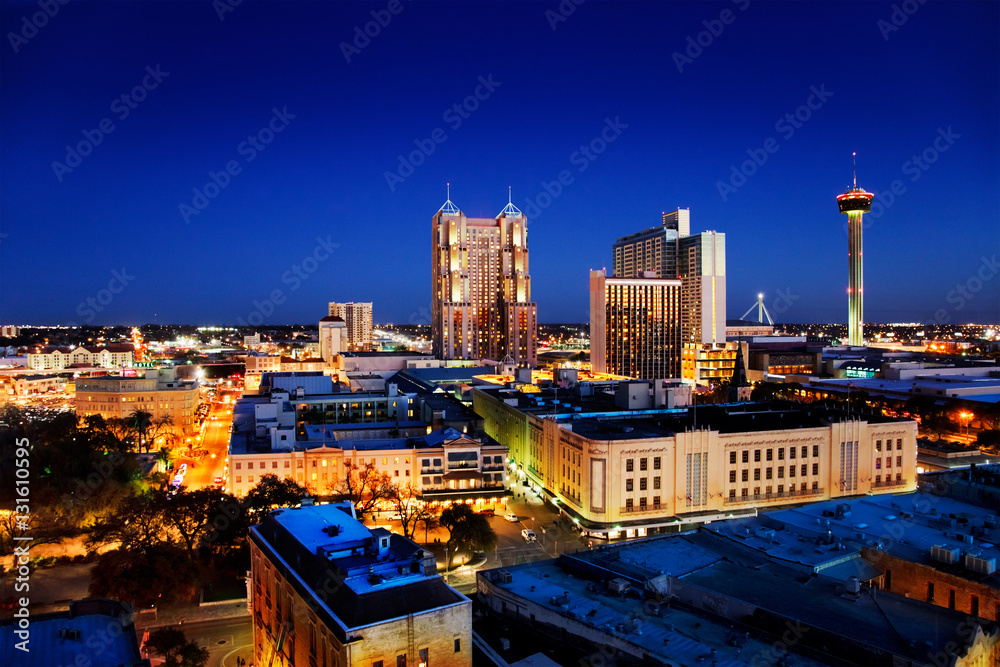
[(767, 497), (888, 483), (643, 508)]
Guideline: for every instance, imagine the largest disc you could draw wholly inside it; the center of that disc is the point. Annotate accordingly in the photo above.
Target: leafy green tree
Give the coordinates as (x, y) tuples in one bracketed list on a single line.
[(175, 649), (406, 502), (467, 531)]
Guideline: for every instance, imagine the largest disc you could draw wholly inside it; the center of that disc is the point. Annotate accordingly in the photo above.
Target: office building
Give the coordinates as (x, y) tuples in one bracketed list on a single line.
[(358, 320), (855, 203), (655, 249), (699, 261), (159, 392), (702, 263), (481, 296), (709, 363), (327, 590), (630, 462), (635, 326)]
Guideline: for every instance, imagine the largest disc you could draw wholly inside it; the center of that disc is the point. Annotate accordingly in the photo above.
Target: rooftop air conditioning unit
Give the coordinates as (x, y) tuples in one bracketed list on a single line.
[(944, 554), (980, 564)]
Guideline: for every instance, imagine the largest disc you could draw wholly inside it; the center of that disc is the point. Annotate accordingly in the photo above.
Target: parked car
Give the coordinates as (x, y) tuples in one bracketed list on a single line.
[(528, 535), (513, 518), (487, 512)]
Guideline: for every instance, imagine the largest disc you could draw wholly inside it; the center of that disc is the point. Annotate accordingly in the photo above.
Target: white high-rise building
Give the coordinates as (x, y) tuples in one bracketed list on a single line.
[(332, 337)]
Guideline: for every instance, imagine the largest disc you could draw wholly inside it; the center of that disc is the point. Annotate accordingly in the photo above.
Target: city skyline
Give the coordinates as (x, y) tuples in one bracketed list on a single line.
[(234, 149)]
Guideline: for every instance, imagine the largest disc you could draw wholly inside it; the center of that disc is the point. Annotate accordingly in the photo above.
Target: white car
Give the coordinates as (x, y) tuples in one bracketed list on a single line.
[(528, 535), (513, 518)]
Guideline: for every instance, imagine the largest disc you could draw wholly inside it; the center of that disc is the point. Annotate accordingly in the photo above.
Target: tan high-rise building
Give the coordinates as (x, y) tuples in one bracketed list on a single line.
[(481, 299), (358, 318), (670, 251), (635, 326)]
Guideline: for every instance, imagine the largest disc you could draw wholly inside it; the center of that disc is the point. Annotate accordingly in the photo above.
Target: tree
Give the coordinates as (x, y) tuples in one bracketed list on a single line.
[(141, 422), (147, 576), (191, 513), (161, 430), (135, 522), (272, 492), (365, 486), (988, 439), (467, 531), (411, 510), (176, 650)]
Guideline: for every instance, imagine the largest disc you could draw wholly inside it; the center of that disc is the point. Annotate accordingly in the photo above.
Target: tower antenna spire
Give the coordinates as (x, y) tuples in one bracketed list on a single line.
[(854, 165), (449, 191), (508, 195)]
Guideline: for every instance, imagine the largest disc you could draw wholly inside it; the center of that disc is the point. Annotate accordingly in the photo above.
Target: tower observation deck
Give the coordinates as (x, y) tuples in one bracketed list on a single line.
[(855, 203)]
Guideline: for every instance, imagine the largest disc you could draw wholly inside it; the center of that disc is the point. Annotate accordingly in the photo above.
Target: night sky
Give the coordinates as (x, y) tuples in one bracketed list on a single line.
[(97, 190)]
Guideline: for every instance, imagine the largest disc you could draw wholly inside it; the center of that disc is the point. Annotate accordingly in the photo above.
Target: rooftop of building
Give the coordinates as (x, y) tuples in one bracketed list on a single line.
[(93, 349), (770, 568), (673, 634), (907, 526), (324, 548), (93, 632), (598, 417)]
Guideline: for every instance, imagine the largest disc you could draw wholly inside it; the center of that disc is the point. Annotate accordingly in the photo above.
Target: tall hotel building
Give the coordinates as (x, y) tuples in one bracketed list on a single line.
[(481, 306), (358, 320), (699, 261), (635, 326)]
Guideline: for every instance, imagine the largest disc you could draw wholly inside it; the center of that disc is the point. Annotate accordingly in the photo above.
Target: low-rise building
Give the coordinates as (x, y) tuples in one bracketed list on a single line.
[(31, 385), (158, 392), (771, 590), (327, 590), (114, 355), (93, 632), (617, 465)]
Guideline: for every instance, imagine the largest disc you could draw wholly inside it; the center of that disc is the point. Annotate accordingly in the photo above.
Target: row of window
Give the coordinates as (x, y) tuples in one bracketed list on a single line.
[(629, 464), (888, 462), (769, 472), (769, 454), (642, 483), (888, 444), (768, 490), (642, 503)]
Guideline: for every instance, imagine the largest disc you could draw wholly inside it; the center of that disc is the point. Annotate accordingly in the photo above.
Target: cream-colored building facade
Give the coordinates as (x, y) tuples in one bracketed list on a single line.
[(117, 355), (158, 392), (630, 471)]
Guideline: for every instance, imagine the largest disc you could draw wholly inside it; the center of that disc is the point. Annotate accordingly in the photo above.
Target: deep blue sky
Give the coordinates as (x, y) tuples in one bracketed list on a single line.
[(324, 174)]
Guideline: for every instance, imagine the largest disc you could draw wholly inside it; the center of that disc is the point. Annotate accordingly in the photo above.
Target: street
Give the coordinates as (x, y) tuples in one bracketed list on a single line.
[(226, 639), (215, 442)]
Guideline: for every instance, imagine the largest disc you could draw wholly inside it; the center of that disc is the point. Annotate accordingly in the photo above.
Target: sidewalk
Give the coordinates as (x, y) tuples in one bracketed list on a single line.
[(179, 614)]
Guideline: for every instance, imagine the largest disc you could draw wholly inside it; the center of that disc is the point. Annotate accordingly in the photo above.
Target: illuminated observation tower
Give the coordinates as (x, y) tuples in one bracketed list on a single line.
[(855, 203)]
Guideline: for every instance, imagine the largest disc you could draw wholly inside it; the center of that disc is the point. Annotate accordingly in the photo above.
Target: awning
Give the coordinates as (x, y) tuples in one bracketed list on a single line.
[(462, 474)]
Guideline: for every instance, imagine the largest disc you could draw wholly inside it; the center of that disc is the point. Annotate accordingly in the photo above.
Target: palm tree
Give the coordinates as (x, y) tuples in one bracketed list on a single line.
[(140, 422), (163, 456)]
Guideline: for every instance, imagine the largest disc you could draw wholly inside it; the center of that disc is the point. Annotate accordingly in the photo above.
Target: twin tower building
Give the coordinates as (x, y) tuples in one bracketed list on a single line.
[(668, 289)]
